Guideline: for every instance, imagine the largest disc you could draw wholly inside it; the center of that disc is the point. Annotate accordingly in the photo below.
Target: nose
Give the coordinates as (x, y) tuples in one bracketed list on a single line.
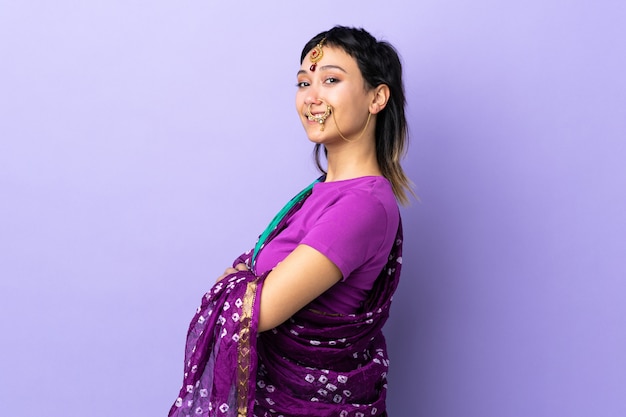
[(312, 98)]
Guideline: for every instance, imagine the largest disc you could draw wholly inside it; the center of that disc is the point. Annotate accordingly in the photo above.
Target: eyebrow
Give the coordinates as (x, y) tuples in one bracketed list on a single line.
[(325, 68)]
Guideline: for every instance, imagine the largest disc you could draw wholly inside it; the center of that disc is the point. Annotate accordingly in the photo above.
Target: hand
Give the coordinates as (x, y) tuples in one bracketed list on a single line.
[(228, 271)]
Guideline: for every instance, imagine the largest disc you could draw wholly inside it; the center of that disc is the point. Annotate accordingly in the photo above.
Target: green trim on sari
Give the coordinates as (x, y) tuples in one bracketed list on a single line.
[(281, 214)]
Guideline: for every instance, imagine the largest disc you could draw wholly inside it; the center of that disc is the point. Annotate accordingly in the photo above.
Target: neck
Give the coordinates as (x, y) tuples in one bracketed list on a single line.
[(351, 160)]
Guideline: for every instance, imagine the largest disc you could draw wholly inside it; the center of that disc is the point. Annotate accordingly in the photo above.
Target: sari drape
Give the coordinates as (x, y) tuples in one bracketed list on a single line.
[(220, 352), (329, 365), (315, 364)]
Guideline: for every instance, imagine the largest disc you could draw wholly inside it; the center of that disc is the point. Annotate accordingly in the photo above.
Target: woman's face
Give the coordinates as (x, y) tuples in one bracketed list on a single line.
[(337, 81)]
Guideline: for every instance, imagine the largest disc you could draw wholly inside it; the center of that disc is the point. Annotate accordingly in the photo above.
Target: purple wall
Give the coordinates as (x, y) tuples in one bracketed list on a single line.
[(131, 132)]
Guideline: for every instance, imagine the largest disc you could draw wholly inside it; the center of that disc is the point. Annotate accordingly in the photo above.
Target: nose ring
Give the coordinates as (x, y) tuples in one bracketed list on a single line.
[(320, 118)]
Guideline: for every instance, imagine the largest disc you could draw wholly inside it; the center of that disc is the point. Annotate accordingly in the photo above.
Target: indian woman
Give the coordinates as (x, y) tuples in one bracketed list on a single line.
[(294, 327)]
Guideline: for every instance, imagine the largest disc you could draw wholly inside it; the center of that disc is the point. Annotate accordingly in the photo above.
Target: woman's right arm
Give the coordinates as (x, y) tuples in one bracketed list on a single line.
[(301, 277)]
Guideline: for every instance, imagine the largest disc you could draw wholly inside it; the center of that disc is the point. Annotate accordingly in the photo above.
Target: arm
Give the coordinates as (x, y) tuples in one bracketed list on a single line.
[(296, 281), (300, 278)]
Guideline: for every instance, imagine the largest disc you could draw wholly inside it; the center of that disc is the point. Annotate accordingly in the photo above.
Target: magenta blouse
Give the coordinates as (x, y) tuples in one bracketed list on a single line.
[(353, 223)]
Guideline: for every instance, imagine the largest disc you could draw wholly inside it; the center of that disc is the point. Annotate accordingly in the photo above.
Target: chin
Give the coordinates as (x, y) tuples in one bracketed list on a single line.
[(315, 139), (315, 135)]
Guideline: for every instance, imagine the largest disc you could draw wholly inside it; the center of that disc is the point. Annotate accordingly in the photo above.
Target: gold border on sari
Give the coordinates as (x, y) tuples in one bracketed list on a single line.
[(243, 349)]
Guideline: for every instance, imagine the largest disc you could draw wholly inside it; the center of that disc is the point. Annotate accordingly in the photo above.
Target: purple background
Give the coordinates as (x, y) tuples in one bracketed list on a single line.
[(144, 144)]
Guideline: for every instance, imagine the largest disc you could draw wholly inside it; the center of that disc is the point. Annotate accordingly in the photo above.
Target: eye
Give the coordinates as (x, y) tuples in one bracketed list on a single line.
[(302, 84), (331, 80)]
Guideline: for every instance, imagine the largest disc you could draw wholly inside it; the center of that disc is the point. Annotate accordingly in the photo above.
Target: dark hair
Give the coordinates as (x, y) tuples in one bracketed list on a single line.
[(379, 63)]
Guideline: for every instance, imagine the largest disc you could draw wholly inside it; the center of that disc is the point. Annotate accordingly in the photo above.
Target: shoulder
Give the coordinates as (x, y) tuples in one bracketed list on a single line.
[(354, 211), (367, 197)]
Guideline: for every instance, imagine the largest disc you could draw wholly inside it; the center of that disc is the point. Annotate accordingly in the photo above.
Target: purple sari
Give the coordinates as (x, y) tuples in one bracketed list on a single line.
[(315, 364)]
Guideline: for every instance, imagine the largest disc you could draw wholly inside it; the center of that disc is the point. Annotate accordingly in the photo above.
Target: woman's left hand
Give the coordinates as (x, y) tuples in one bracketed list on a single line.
[(228, 271)]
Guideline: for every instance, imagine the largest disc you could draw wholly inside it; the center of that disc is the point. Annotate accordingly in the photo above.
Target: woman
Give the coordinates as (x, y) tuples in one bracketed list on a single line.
[(294, 327)]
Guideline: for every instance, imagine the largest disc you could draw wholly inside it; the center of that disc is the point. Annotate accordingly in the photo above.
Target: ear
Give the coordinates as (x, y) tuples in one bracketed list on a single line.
[(380, 98)]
